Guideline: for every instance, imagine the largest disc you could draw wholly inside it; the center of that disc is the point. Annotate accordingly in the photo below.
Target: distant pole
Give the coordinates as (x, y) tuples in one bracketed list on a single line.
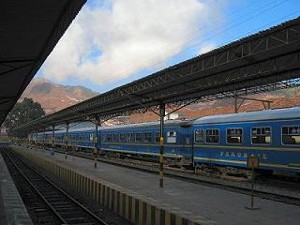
[(162, 109), (253, 163), (252, 188), (235, 105), (235, 102)]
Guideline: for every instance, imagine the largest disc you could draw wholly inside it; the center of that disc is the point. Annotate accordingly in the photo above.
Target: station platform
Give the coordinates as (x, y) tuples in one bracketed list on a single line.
[(137, 196), (12, 208)]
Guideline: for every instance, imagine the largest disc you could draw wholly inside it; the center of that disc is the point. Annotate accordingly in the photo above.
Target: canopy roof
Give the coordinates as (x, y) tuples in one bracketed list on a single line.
[(29, 31), (265, 61)]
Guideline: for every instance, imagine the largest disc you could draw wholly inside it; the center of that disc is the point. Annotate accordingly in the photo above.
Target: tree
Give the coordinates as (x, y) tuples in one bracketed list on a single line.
[(21, 114)]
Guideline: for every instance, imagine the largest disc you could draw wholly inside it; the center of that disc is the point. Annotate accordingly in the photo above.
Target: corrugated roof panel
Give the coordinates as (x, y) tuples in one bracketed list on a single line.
[(289, 113)]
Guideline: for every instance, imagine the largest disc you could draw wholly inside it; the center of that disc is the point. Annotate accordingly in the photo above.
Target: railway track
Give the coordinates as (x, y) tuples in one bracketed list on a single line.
[(48, 203)]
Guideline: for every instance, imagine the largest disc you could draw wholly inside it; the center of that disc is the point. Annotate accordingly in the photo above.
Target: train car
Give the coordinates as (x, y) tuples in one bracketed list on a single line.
[(32, 138), (83, 139), (132, 140), (272, 135), (43, 138), (143, 140), (37, 138), (59, 137)]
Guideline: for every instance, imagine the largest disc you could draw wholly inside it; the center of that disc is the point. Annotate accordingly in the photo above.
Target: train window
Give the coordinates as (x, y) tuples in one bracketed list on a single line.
[(171, 134), (108, 137), (91, 137), (115, 137), (234, 135), (130, 138), (212, 136), (138, 137), (103, 138), (199, 136), (290, 135), (261, 135), (171, 137), (148, 137), (123, 138)]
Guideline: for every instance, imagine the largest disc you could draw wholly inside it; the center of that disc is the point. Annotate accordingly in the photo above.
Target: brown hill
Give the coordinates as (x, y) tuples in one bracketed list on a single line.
[(280, 99), (54, 97)]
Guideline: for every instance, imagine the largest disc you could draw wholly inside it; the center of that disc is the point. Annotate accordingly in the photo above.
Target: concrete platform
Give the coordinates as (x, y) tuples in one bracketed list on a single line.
[(12, 209), (136, 195)]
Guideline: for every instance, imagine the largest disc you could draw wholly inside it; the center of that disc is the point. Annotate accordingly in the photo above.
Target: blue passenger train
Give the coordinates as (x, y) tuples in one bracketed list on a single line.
[(143, 140), (223, 140)]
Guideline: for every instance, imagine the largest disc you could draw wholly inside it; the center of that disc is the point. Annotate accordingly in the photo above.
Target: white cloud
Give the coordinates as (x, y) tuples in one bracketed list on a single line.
[(207, 47), (127, 37)]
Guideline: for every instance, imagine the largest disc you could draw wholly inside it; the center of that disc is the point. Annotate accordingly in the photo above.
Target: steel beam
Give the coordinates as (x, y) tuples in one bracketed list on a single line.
[(162, 113)]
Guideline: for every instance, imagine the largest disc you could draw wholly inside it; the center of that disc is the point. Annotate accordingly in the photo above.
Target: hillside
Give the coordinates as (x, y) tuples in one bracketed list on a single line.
[(280, 99), (54, 97)]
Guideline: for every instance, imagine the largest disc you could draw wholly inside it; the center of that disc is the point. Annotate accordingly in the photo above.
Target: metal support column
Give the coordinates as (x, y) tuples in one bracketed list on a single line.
[(162, 112), (235, 105), (44, 139), (29, 140), (96, 149), (67, 140), (53, 140)]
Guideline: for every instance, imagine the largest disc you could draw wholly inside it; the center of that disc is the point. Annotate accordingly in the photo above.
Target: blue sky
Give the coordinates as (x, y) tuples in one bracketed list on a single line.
[(113, 42)]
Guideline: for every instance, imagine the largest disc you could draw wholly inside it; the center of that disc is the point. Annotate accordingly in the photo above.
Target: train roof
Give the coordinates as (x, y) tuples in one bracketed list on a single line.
[(150, 124), (266, 115), (75, 129), (184, 123)]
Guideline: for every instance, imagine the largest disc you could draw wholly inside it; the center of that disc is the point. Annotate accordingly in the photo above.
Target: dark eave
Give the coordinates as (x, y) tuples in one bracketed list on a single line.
[(29, 30)]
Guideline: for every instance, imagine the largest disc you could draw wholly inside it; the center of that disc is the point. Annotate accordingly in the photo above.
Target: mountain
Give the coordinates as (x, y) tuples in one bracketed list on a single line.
[(54, 97)]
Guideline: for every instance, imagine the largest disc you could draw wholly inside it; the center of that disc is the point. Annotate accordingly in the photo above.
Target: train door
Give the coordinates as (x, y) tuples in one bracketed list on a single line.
[(187, 144)]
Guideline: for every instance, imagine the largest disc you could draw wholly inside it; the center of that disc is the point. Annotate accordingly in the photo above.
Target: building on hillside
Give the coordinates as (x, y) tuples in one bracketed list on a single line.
[(173, 116), (3, 130)]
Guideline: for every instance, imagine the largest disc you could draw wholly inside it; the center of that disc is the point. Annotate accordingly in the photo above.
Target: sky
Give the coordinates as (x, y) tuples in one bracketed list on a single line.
[(114, 42)]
